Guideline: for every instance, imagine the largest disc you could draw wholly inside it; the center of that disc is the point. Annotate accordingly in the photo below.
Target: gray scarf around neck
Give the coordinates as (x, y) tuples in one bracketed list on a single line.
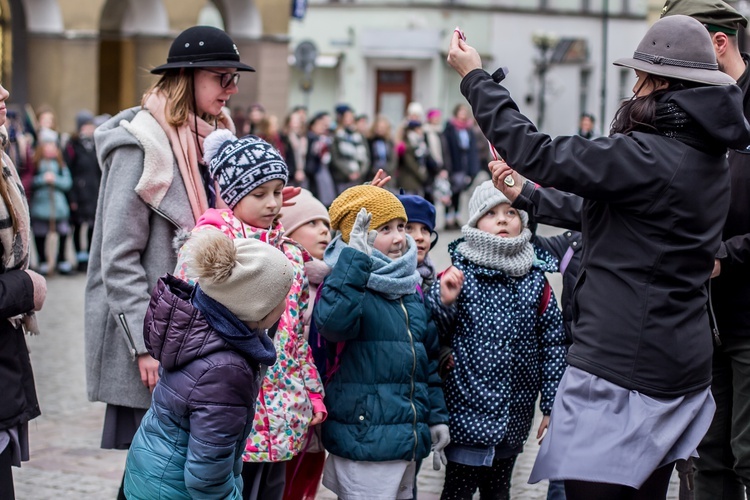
[(513, 256), (392, 278)]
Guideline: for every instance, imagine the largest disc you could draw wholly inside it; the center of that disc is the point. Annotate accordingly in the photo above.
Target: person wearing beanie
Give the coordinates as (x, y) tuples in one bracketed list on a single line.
[(49, 207), (421, 227), (350, 158), (154, 186), (250, 175), (385, 371), (494, 307), (212, 344), (80, 157), (307, 223)]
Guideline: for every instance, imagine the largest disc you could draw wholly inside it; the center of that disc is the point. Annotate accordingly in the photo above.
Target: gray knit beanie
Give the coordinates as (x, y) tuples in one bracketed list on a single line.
[(245, 275), (486, 196)]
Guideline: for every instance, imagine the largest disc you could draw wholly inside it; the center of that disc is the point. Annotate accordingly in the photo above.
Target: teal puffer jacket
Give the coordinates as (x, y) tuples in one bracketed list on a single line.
[(385, 394)]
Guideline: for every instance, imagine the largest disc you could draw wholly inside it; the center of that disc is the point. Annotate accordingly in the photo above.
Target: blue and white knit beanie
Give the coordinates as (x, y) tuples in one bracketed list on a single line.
[(241, 165), (486, 196)]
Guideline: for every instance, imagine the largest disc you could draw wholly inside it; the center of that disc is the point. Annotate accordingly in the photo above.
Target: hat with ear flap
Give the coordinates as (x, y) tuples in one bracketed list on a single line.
[(203, 47), (678, 47)]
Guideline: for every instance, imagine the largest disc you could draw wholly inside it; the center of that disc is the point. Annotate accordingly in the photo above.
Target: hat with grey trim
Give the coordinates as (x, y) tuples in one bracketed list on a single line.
[(677, 47)]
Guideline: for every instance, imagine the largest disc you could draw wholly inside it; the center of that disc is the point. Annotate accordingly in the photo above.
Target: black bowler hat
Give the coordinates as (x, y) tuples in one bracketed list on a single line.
[(203, 47)]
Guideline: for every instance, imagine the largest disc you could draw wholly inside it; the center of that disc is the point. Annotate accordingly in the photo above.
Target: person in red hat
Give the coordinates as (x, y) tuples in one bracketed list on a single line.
[(154, 183)]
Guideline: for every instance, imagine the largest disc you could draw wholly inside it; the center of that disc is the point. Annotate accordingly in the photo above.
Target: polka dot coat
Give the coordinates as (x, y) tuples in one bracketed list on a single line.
[(505, 351)]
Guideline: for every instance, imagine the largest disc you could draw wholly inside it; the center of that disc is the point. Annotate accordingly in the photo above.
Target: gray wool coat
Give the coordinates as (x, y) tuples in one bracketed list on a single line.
[(142, 205)]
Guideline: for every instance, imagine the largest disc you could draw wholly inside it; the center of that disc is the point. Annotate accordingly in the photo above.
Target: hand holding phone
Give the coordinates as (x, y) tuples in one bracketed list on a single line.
[(461, 34)]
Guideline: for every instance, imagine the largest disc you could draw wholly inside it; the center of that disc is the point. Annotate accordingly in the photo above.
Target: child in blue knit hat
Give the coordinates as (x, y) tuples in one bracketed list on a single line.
[(421, 227)]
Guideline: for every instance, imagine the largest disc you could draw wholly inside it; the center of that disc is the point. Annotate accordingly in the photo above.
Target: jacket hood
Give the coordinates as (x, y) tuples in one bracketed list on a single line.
[(110, 135), (175, 332), (719, 110)]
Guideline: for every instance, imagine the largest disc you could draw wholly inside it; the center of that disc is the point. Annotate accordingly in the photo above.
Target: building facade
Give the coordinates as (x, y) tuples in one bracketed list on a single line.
[(378, 55), (96, 54)]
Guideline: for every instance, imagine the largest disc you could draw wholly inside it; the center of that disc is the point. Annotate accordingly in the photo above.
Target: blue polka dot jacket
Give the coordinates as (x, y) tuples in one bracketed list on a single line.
[(506, 351)]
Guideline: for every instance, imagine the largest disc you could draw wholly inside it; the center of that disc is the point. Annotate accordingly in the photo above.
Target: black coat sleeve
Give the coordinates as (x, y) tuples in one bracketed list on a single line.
[(618, 169), (551, 206), (16, 294)]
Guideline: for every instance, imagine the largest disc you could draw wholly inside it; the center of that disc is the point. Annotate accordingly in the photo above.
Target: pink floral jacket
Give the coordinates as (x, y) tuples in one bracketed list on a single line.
[(291, 390)]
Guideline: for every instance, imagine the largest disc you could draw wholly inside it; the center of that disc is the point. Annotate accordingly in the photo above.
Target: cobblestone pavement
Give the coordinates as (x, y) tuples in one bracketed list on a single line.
[(66, 461)]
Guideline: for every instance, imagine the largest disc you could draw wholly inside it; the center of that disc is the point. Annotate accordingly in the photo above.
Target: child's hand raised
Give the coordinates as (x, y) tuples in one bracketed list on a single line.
[(450, 285), (287, 194), (361, 238), (380, 179)]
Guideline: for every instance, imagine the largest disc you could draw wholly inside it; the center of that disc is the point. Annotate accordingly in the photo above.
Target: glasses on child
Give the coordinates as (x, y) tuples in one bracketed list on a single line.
[(225, 79)]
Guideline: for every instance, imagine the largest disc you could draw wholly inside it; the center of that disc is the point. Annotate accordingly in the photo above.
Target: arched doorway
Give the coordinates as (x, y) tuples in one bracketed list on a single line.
[(123, 24)]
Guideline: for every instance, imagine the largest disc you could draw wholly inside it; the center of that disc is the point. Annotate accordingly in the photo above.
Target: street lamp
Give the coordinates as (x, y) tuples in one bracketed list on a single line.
[(544, 43)]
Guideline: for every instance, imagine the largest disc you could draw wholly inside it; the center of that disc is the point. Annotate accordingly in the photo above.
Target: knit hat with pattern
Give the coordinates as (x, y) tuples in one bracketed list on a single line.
[(486, 196), (381, 203), (306, 208), (241, 165), (229, 271)]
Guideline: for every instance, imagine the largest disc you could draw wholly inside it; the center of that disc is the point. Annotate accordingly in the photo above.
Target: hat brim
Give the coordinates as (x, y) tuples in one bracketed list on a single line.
[(707, 76), (202, 64)]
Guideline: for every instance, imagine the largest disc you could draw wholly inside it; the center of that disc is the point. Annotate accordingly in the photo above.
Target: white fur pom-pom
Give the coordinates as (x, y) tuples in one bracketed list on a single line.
[(214, 255), (213, 142)]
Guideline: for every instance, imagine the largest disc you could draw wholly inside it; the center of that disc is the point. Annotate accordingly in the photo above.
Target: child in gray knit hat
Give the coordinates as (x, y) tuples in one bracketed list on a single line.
[(496, 311)]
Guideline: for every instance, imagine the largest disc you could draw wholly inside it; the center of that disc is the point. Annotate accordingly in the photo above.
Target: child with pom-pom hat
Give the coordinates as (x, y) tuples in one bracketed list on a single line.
[(250, 175), (211, 342)]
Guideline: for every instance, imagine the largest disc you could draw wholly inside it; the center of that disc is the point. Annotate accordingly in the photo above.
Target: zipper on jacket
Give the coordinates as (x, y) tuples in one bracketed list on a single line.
[(413, 371), (165, 216), (714, 325), (133, 351)]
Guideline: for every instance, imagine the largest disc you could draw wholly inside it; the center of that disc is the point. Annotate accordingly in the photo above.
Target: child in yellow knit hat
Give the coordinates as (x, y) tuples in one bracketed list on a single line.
[(386, 407)]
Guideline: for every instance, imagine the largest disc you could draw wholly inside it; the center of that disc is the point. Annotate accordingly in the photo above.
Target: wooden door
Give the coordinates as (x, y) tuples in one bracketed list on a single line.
[(393, 93)]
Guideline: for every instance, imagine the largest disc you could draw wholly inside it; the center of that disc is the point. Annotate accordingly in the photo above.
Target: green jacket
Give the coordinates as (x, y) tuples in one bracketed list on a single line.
[(385, 394)]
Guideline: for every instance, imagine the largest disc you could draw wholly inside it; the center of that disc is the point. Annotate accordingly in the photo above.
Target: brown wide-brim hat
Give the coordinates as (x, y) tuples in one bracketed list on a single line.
[(678, 47), (203, 47)]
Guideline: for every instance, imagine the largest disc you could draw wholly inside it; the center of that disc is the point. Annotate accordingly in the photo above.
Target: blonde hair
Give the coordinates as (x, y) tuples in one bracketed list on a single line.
[(178, 89)]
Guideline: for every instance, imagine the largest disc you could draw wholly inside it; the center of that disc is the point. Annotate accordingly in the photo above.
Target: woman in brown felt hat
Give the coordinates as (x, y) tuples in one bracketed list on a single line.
[(153, 185), (636, 396)]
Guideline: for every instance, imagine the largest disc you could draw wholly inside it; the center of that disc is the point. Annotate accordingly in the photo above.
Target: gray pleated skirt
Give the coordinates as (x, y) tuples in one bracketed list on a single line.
[(601, 432)]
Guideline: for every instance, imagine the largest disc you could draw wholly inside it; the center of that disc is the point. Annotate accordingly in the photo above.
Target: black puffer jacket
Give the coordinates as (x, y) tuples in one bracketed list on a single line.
[(652, 224)]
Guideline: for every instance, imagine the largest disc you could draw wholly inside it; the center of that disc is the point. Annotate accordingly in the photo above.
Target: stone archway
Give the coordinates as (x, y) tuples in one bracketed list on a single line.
[(128, 29)]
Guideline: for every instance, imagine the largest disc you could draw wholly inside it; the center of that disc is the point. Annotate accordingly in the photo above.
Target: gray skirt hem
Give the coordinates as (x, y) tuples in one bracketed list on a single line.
[(601, 432)]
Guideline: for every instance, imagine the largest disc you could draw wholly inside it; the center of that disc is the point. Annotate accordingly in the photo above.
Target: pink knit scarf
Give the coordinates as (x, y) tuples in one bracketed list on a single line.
[(186, 145)]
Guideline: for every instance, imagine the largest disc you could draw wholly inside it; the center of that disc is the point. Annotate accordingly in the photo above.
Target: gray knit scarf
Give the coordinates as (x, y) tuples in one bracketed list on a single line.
[(513, 256)]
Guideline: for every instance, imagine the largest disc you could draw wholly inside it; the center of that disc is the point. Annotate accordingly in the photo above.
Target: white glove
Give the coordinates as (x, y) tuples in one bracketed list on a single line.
[(441, 437), (361, 238)]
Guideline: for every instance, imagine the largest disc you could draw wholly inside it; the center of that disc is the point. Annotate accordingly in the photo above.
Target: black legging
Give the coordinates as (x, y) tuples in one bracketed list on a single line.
[(654, 488), (461, 481), (6, 475), (41, 247)]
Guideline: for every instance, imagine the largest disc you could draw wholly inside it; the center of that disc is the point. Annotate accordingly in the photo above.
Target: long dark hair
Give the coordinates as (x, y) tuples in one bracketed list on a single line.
[(638, 114)]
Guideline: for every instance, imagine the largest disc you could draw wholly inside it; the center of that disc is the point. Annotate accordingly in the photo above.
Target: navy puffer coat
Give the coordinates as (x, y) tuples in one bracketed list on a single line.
[(190, 442), (505, 351)]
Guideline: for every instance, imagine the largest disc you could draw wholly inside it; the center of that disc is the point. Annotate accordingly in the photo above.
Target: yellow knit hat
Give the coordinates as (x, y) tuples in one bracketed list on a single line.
[(381, 203)]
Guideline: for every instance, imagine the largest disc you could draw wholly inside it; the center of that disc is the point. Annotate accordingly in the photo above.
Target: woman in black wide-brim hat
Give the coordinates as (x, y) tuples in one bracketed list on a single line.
[(153, 185), (636, 396)]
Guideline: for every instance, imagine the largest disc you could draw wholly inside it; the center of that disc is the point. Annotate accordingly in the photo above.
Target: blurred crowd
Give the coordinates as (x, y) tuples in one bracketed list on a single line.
[(427, 153)]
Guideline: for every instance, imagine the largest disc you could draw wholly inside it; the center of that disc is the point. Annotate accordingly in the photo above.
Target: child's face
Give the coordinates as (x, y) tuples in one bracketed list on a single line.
[(391, 239), (49, 150), (501, 220), (261, 205), (271, 317), (314, 236), (422, 237)]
